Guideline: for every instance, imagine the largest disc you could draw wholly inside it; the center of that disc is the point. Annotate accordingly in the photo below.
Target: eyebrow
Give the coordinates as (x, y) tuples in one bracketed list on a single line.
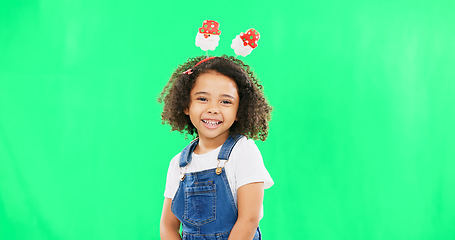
[(206, 93), (228, 96), (201, 93)]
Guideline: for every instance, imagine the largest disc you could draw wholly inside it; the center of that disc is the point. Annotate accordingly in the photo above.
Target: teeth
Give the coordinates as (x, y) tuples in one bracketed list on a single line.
[(211, 122)]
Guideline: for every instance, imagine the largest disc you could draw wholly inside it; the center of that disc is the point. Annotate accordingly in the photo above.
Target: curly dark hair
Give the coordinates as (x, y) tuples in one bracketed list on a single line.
[(253, 113)]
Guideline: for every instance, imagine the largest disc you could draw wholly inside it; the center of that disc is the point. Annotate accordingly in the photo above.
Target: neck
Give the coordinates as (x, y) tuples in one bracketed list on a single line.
[(206, 145)]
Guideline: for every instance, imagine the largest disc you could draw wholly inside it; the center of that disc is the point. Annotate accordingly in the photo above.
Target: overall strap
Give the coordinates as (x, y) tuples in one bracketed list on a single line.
[(225, 152), (185, 156), (227, 147)]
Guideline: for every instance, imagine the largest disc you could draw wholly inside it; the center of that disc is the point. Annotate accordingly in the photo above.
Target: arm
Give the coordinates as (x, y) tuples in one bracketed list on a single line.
[(249, 202), (170, 224)]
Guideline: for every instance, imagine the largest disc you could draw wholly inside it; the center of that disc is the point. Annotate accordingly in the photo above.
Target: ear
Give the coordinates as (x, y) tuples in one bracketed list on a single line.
[(186, 111)]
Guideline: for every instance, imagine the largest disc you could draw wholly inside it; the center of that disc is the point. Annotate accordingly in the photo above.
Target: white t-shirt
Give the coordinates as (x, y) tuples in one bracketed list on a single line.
[(244, 166)]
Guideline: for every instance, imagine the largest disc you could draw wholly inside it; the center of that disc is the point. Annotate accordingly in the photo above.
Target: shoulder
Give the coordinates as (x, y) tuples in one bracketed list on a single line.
[(172, 178), (248, 165), (176, 158), (175, 161), (246, 148)]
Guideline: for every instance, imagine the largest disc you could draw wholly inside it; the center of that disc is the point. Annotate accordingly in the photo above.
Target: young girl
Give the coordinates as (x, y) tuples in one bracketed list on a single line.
[(215, 186)]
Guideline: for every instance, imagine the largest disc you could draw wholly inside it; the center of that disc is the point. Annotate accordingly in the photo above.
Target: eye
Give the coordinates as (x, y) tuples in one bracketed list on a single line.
[(226, 102), (203, 99)]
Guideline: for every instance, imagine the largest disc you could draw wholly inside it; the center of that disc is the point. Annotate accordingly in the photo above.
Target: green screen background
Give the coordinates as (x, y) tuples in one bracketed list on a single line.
[(362, 137)]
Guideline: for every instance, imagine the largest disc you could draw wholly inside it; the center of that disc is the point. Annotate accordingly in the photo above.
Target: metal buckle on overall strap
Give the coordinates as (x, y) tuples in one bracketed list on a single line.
[(218, 168)]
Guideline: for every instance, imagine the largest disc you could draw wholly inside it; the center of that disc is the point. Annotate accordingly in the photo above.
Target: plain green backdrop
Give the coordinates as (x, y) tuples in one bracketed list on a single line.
[(361, 143)]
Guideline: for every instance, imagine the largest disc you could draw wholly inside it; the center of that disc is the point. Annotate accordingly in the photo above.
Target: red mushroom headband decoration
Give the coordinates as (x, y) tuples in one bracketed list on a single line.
[(244, 43)]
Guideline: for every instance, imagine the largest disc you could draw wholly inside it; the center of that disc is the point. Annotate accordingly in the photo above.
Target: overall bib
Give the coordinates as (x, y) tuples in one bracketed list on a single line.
[(203, 202)]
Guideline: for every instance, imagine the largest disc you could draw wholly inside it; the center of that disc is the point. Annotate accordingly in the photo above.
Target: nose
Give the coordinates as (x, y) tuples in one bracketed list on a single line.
[(213, 109)]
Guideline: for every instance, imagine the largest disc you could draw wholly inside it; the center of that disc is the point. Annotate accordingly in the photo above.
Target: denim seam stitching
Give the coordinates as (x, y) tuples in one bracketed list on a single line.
[(213, 215)]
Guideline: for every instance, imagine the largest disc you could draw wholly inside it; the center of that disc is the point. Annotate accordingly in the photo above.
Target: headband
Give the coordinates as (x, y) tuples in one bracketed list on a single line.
[(190, 71), (208, 37)]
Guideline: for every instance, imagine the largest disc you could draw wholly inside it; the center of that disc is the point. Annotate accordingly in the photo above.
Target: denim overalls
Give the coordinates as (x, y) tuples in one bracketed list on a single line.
[(203, 202)]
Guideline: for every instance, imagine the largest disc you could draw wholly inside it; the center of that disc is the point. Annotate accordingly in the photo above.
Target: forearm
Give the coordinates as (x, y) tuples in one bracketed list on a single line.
[(167, 233), (244, 229), (249, 204), (169, 224)]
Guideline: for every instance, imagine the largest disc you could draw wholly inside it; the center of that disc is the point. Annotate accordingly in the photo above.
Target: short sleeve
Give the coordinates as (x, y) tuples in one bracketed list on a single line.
[(250, 166), (172, 179)]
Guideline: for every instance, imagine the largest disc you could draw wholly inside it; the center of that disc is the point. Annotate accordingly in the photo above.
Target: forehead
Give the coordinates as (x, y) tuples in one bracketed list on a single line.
[(215, 83)]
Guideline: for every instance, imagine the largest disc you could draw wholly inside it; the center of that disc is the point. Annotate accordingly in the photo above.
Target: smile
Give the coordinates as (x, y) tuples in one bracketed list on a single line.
[(211, 123)]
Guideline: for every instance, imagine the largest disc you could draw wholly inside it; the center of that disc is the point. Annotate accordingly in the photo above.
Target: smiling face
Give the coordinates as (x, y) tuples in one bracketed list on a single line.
[(214, 102)]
